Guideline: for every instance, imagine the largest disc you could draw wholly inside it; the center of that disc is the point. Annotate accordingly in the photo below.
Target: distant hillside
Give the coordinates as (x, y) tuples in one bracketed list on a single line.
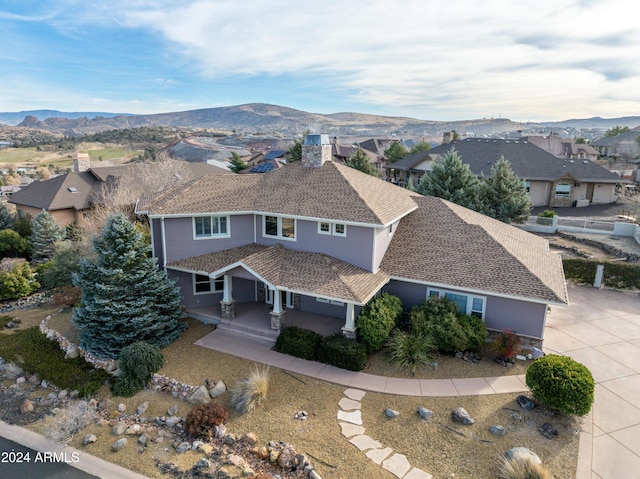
[(260, 118), (13, 118)]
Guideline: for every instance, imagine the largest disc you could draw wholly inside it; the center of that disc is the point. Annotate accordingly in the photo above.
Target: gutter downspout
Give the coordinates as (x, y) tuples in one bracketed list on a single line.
[(164, 245)]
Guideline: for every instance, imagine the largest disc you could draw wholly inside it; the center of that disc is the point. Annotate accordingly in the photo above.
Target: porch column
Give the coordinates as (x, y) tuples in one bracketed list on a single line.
[(349, 328), (227, 305), (277, 313)]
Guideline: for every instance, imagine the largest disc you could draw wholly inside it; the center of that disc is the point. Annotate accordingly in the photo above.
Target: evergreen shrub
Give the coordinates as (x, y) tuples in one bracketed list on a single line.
[(562, 384), (138, 362), (342, 353), (376, 320), (298, 342)]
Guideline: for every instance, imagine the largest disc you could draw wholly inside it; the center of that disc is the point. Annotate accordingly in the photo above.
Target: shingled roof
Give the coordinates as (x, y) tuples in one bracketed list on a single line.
[(72, 190), (446, 244), (316, 274), (332, 192), (527, 160)]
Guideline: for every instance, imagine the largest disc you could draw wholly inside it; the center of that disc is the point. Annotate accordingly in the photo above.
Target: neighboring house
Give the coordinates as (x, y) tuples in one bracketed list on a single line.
[(563, 148), (624, 146), (321, 237), (265, 162), (550, 181), (69, 198), (411, 168)]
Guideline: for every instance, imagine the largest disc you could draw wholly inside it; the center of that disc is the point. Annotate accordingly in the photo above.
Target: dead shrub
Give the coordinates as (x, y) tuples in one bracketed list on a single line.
[(202, 420), (72, 420)]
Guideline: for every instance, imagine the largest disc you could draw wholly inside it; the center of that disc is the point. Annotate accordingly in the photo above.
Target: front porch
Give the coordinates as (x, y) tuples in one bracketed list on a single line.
[(253, 320)]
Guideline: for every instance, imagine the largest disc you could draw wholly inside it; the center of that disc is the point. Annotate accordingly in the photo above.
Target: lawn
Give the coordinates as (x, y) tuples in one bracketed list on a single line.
[(64, 158)]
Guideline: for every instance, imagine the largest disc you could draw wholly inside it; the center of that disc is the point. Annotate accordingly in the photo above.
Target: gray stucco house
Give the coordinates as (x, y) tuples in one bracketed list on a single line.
[(321, 237)]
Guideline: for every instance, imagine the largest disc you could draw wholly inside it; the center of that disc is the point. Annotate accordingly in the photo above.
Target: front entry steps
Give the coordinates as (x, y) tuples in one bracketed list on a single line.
[(238, 329)]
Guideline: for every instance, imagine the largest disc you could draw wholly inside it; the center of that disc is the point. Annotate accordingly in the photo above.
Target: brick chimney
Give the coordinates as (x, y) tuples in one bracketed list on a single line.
[(316, 150), (81, 162)]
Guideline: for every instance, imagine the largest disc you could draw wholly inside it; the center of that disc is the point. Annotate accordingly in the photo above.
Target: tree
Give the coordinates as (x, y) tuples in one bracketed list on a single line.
[(6, 218), (12, 245), (396, 151), (451, 180), (503, 195), (616, 130), (66, 261), (22, 226), (360, 161), (44, 234), (420, 146), (295, 151), (237, 164), (581, 141), (125, 297)]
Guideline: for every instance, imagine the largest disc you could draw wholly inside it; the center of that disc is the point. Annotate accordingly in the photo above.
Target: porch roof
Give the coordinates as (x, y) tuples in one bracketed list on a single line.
[(315, 274)]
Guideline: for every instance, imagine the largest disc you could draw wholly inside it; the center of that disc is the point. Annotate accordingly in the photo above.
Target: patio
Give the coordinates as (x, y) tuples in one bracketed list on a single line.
[(253, 320)]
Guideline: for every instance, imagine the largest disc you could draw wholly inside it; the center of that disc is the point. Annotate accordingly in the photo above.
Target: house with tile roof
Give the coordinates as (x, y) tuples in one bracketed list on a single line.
[(320, 237), (550, 180), (69, 198)]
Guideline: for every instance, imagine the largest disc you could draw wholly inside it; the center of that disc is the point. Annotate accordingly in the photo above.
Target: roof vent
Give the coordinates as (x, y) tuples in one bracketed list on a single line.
[(73, 189)]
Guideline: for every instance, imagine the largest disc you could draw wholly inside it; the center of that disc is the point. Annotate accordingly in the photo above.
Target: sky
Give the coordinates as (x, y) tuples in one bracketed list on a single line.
[(427, 59)]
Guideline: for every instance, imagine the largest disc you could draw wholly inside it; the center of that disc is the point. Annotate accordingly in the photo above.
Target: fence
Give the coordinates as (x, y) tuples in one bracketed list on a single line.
[(537, 224)]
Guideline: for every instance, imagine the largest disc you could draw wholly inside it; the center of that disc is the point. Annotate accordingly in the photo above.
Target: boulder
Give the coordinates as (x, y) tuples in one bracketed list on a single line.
[(517, 452), (202, 464), (525, 403), (391, 413), (119, 444), (497, 430), (72, 352), (142, 408), (26, 407), (200, 396), (122, 407), (461, 416), (89, 439), (548, 430), (172, 411), (119, 428), (182, 447), (218, 389), (143, 439), (172, 421), (63, 394), (424, 413)]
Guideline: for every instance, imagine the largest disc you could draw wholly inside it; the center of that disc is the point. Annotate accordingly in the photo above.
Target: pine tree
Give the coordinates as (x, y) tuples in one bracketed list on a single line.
[(395, 152), (451, 180), (503, 195), (125, 297), (6, 218), (236, 164), (44, 234), (360, 161)]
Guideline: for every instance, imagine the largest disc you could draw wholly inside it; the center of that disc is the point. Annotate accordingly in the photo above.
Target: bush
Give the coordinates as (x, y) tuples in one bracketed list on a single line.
[(342, 353), (562, 384), (202, 420), (16, 279), (12, 245), (247, 393), (67, 296), (434, 307), (506, 345), (376, 320), (409, 350), (579, 270), (522, 467), (138, 362), (298, 342), (475, 330), (30, 350), (70, 421), (546, 217)]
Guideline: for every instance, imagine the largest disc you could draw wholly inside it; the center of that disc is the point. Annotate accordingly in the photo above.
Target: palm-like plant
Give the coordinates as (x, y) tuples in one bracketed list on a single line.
[(408, 350)]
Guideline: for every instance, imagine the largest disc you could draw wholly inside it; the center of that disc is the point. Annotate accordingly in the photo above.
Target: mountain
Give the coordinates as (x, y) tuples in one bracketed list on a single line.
[(261, 118), (13, 118)]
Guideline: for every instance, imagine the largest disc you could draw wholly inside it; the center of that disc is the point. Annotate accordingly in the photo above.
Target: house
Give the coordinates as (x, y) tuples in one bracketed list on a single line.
[(550, 181), (411, 168), (69, 198), (320, 237), (562, 148), (624, 146)]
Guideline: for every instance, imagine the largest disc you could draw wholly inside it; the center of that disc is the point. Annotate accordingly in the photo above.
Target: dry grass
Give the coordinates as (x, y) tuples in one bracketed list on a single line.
[(246, 394), (522, 467)]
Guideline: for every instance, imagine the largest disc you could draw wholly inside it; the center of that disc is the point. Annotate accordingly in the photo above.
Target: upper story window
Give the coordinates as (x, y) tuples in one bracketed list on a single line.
[(203, 284), (563, 190), (335, 229), (467, 303), (280, 227), (210, 227), (527, 186)]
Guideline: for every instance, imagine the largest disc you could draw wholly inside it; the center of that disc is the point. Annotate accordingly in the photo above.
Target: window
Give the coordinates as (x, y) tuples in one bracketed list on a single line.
[(467, 304), (280, 227), (563, 190), (325, 300), (202, 284), (210, 227), (527, 186), (335, 229)]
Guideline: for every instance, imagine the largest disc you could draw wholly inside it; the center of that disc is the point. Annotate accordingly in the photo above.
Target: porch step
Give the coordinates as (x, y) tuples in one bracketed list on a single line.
[(266, 335)]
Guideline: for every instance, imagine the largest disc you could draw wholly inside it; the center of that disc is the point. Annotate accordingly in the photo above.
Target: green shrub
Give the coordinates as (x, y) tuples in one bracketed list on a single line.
[(342, 353), (438, 318), (202, 420), (620, 275), (579, 270), (247, 393), (30, 350), (562, 384), (138, 362), (376, 320), (16, 279), (12, 245), (298, 342), (409, 350), (546, 217)]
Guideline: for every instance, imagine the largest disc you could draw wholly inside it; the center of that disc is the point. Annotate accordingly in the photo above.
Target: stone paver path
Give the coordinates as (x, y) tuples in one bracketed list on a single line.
[(350, 420)]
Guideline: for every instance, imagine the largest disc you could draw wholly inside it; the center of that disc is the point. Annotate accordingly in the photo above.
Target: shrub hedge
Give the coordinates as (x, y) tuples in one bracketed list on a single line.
[(618, 275), (342, 353), (562, 384), (298, 342), (376, 320)]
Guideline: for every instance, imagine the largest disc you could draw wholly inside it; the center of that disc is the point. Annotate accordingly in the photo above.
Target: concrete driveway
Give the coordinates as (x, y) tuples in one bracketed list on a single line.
[(601, 329)]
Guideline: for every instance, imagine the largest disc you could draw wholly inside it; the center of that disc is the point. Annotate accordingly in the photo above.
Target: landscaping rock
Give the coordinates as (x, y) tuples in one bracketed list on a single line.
[(11, 371), (391, 413), (220, 431), (424, 413), (143, 439), (21, 380), (461, 416), (72, 352), (122, 407), (172, 421), (133, 430), (200, 396), (183, 447), (172, 411), (218, 389), (89, 439), (517, 452), (63, 394), (205, 448), (119, 428), (142, 408), (44, 384), (26, 407), (548, 430), (525, 403), (202, 464), (119, 444), (497, 430)]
